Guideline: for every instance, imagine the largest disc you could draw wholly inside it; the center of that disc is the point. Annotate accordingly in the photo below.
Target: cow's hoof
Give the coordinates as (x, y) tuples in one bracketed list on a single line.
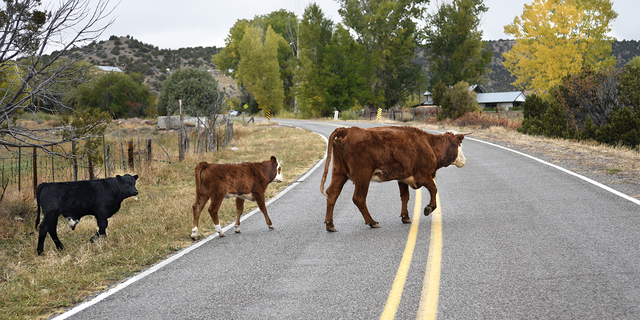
[(331, 229), (40, 252), (406, 220), (193, 238), (238, 231), (427, 210), (222, 235), (374, 225), (271, 227)]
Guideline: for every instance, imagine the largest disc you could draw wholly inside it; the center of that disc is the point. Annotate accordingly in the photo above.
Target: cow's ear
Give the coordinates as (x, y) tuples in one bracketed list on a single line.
[(273, 159), (135, 177), (118, 177)]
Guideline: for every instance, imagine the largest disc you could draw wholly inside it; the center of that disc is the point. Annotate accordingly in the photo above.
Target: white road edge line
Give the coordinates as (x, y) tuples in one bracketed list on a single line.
[(595, 183), (182, 252)]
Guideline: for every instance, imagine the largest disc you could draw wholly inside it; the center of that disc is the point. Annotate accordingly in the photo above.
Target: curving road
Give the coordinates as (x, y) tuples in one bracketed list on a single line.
[(518, 239)]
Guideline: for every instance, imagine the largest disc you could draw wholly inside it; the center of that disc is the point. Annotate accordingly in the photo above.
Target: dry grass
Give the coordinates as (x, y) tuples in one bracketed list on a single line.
[(147, 228)]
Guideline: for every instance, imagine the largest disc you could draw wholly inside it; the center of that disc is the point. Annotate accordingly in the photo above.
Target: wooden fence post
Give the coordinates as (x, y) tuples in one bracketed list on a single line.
[(35, 171), (75, 161), (130, 154), (107, 161), (90, 165), (19, 168), (181, 147), (148, 152)]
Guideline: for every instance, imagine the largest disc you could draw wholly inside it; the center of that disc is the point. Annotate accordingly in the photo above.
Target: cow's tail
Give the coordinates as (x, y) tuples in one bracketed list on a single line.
[(340, 132)]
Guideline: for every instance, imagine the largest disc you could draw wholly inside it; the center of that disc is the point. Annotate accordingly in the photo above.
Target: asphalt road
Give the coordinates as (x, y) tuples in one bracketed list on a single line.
[(519, 240)]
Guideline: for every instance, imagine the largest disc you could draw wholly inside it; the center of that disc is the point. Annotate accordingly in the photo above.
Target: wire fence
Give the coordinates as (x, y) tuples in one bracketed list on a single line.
[(23, 168)]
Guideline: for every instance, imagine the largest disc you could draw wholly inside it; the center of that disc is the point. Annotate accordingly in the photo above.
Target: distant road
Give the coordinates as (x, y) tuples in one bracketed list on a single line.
[(519, 240)]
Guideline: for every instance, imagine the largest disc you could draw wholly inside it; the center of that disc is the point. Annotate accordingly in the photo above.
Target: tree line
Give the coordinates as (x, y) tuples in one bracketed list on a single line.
[(311, 65)]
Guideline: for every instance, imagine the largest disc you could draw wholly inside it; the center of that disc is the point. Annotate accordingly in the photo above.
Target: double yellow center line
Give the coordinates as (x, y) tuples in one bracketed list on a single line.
[(428, 307)]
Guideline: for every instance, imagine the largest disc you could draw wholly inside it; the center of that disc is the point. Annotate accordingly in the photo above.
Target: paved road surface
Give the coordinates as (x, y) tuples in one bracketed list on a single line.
[(519, 240)]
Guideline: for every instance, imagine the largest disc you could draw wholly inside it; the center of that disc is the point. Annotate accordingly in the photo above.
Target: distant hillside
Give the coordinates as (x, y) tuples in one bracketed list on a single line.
[(155, 64), (131, 55)]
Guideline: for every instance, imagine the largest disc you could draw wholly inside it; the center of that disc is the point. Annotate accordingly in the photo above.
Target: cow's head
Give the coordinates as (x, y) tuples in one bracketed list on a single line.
[(456, 138), (276, 165), (127, 185)]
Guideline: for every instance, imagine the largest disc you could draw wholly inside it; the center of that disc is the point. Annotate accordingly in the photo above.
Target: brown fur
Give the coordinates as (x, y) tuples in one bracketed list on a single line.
[(409, 155), (217, 181)]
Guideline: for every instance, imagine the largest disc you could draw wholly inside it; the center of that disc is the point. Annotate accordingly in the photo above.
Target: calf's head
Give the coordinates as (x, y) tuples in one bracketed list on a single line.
[(455, 139), (277, 169), (127, 185)]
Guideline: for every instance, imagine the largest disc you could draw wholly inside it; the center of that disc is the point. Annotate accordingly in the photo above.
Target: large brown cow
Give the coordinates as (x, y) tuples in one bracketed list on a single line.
[(406, 154), (244, 181)]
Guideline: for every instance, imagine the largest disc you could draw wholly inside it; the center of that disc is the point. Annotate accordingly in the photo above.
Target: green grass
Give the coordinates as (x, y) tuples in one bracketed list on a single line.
[(146, 230)]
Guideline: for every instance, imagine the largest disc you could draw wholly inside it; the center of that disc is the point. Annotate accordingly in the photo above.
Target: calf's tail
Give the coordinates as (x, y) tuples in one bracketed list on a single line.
[(198, 173), (340, 132), (38, 204)]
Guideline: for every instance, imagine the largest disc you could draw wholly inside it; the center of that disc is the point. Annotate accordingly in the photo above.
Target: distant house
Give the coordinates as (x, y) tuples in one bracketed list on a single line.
[(107, 69), (489, 100), (501, 100)]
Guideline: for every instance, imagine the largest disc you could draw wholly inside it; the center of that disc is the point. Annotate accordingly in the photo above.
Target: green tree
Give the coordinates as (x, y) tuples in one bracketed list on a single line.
[(388, 33), (116, 93), (533, 109), (439, 91), (228, 58), (629, 85), (555, 38), (554, 121), (258, 68), (622, 127), (197, 89), (283, 23), (333, 71), (454, 45), (457, 101)]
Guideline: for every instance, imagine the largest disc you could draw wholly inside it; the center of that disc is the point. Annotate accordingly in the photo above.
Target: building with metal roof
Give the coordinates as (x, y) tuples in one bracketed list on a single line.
[(500, 100), (489, 100), (109, 69)]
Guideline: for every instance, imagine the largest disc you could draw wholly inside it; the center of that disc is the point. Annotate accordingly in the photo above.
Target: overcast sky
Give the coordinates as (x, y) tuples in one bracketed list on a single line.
[(171, 24)]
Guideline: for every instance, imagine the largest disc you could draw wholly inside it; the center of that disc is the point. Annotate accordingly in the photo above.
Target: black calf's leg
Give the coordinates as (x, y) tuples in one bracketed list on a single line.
[(102, 230)]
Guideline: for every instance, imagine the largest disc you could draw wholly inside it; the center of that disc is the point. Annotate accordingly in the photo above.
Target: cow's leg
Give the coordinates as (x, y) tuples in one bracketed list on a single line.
[(337, 182), (48, 225), (214, 207), (197, 207), (431, 186), (404, 196), (102, 229), (260, 200), (41, 236), (53, 231), (239, 209), (360, 200)]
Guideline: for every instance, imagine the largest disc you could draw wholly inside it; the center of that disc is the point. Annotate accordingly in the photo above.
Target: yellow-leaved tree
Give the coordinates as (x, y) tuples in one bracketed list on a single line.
[(555, 38)]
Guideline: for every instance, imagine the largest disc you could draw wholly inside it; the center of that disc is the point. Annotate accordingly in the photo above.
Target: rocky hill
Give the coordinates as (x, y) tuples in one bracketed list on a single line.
[(156, 64), (131, 55)]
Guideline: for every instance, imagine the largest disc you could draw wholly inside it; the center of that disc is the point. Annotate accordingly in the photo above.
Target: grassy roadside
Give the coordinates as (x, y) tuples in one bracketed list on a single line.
[(146, 229)]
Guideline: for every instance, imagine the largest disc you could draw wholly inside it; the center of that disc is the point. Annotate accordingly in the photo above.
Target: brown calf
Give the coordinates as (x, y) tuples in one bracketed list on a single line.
[(244, 181)]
